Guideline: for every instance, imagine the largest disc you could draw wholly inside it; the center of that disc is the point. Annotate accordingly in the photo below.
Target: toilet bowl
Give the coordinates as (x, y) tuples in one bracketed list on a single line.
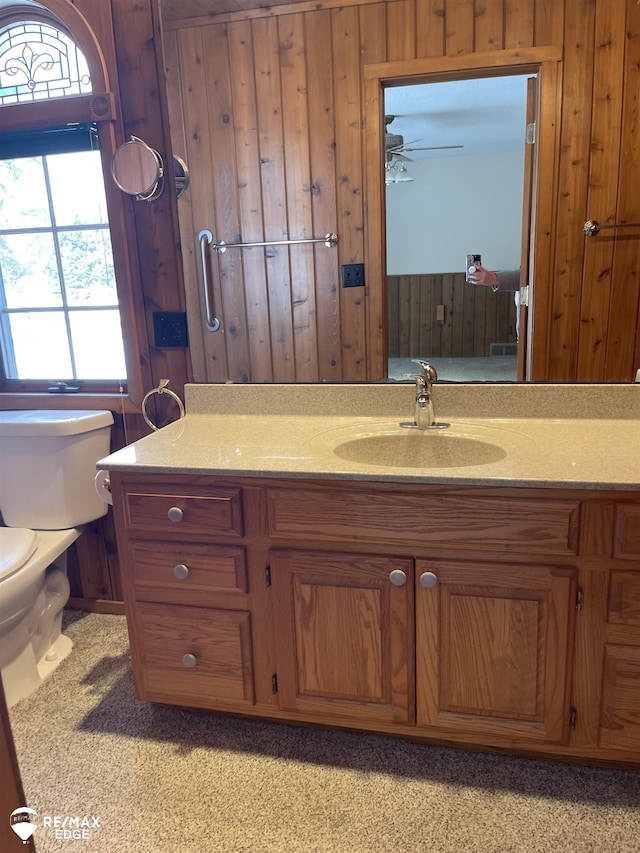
[(47, 464)]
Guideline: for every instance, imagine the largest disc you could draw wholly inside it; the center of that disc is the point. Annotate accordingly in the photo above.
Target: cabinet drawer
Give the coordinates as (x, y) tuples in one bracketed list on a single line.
[(194, 656), (533, 525), (626, 544), (197, 510), (187, 572)]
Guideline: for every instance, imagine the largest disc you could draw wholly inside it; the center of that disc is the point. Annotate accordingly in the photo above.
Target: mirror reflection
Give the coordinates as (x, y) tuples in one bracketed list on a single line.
[(138, 170), (455, 164)]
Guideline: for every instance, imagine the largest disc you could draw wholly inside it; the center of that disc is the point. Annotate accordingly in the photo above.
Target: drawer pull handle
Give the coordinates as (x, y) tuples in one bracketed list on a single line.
[(189, 661), (397, 577), (428, 580), (175, 514), (181, 571)]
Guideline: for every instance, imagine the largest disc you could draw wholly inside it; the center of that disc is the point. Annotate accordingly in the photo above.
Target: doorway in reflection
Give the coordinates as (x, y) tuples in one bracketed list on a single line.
[(455, 184)]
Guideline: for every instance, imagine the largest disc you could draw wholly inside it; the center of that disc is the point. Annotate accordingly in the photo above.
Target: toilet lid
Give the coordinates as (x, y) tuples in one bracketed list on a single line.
[(17, 544)]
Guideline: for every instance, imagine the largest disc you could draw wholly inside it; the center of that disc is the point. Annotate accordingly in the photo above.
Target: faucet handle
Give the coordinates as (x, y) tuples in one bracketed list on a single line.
[(428, 370)]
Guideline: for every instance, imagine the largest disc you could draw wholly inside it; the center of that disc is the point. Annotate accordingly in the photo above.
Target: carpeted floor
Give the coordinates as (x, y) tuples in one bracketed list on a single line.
[(171, 781)]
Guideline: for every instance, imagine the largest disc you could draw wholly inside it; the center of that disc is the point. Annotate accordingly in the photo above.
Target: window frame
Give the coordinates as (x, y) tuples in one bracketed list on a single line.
[(99, 107)]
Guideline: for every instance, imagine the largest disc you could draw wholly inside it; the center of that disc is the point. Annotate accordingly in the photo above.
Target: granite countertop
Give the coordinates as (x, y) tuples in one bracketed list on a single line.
[(551, 437)]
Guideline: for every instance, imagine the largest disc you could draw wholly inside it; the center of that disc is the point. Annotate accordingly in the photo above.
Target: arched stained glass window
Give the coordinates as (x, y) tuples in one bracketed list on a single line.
[(39, 62)]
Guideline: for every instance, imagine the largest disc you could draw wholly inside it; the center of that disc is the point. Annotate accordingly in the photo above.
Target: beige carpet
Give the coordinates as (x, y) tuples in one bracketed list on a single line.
[(169, 781)]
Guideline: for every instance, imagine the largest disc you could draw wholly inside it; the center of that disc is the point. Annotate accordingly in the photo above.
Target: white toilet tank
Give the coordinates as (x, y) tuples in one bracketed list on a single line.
[(47, 467)]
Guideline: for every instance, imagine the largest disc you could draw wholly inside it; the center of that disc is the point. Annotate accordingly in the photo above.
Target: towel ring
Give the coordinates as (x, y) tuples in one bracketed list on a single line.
[(161, 389)]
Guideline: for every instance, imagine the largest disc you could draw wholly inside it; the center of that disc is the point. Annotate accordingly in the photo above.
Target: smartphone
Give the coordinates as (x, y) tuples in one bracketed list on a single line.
[(472, 261)]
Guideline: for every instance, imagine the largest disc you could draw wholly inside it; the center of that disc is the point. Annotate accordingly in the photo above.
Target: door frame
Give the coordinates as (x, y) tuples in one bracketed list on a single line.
[(545, 63)]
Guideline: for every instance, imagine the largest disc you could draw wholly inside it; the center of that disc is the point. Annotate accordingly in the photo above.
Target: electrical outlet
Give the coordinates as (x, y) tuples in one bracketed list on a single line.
[(170, 329), (353, 275)]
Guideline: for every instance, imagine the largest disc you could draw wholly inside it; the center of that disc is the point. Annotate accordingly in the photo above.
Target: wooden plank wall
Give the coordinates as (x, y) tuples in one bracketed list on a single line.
[(267, 108), (441, 315)]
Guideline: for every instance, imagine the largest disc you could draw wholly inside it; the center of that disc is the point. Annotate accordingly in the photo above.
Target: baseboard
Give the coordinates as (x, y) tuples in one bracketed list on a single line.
[(96, 605)]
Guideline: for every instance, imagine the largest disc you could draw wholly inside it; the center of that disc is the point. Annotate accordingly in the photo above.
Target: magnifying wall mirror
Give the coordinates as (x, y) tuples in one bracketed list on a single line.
[(138, 170)]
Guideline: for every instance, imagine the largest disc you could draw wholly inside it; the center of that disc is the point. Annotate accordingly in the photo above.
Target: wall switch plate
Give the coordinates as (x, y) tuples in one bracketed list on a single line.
[(170, 329), (353, 275)]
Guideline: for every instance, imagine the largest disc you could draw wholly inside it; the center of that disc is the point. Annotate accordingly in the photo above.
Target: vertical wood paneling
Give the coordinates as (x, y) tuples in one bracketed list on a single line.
[(518, 23), (572, 194), (459, 26), (186, 224), (203, 213), (605, 130), (349, 173), (373, 33), (401, 32), (245, 122), (430, 40), (549, 22), (268, 95), (623, 360), (224, 200), (489, 25), (298, 178), (136, 27), (322, 144), (474, 317)]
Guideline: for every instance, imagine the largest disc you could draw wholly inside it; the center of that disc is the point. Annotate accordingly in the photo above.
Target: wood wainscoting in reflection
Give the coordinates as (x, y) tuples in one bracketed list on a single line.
[(441, 315)]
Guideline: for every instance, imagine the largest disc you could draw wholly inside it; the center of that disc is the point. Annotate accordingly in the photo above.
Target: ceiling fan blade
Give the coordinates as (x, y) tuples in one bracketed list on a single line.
[(434, 148)]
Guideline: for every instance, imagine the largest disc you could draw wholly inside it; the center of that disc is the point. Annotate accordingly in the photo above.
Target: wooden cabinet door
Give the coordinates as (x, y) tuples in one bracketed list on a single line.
[(620, 703), (494, 648), (344, 635)]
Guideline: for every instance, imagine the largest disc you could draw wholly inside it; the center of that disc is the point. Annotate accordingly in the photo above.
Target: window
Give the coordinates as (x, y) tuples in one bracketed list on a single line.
[(60, 323)]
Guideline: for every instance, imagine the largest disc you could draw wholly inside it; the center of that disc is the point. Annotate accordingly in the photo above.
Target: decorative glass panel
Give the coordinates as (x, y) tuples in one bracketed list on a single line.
[(38, 62)]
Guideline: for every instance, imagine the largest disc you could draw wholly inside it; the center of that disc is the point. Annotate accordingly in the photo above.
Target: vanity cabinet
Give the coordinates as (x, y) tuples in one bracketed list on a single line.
[(496, 618)]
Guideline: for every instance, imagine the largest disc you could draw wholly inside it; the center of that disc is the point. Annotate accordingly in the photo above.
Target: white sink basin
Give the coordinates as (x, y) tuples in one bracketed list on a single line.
[(419, 449)]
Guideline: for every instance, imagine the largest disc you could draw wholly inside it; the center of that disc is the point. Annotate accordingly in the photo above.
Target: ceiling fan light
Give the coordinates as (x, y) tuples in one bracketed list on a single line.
[(402, 175)]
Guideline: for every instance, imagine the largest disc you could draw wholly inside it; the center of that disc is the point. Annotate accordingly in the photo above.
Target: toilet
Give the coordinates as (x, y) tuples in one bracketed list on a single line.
[(47, 492)]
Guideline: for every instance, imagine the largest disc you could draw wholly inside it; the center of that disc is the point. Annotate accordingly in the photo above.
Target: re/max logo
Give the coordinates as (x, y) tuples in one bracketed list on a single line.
[(67, 822)]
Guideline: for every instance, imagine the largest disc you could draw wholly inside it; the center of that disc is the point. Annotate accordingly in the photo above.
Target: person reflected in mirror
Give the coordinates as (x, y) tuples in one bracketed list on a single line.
[(498, 280)]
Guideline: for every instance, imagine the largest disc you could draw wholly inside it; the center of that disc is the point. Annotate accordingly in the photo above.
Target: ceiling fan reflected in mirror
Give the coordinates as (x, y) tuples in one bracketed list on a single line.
[(395, 146)]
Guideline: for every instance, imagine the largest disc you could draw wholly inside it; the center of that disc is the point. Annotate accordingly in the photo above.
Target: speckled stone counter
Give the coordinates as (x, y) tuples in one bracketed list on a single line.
[(584, 436)]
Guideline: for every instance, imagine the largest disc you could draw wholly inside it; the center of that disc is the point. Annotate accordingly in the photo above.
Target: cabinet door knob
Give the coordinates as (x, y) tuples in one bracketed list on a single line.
[(189, 661), (428, 579), (181, 571), (397, 577), (175, 514)]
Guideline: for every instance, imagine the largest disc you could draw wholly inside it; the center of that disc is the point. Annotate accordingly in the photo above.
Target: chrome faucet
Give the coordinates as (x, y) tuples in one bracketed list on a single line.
[(424, 417)]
